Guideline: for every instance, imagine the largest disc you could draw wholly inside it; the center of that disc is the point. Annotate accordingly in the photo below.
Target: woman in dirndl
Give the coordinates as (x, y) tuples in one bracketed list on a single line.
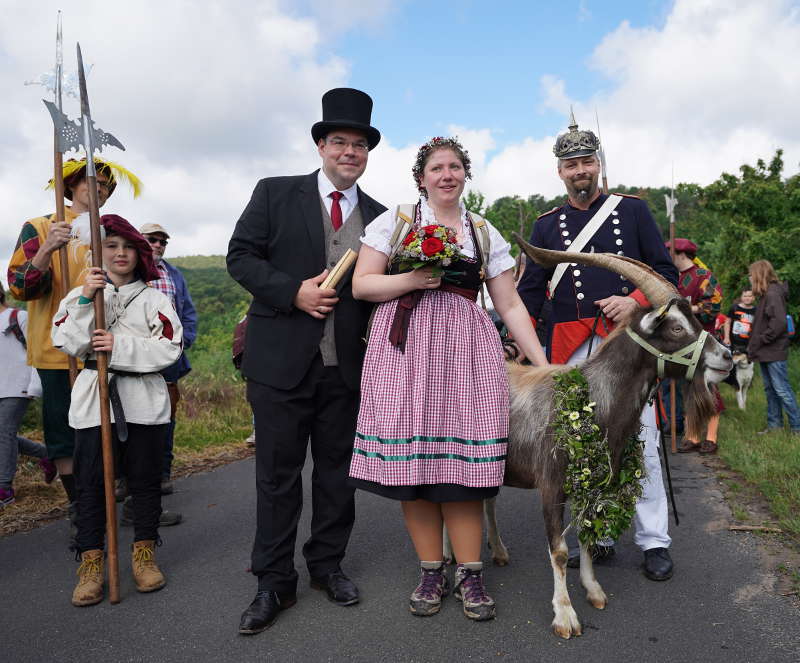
[(433, 423)]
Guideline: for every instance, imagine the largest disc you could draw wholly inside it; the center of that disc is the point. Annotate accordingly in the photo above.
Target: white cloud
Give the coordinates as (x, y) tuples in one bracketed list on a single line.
[(710, 90)]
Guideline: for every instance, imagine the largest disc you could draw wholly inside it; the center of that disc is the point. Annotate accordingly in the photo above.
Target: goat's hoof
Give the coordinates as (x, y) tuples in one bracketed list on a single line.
[(500, 558), (567, 625), (598, 600)]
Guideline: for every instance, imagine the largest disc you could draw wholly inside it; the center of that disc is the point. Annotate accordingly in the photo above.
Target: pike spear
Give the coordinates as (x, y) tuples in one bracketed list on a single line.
[(601, 154), (58, 185), (671, 202), (88, 136)]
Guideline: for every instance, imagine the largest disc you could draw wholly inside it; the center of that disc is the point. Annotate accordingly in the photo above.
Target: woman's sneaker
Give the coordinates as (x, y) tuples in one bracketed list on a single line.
[(6, 497), (426, 600), (469, 589)]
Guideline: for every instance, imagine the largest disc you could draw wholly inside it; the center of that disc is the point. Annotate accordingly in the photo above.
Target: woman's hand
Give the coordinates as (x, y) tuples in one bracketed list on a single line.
[(426, 278), (95, 280), (102, 340)]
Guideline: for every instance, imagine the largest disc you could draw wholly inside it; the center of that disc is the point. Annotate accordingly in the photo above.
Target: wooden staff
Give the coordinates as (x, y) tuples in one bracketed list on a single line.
[(673, 395), (102, 357)]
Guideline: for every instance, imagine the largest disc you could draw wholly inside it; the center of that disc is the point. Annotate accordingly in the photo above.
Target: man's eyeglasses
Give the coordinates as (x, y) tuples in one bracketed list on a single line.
[(341, 143), (158, 240)]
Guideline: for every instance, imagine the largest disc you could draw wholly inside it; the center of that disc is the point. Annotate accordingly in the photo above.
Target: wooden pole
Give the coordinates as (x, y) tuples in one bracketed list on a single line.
[(105, 405), (63, 259), (672, 389)]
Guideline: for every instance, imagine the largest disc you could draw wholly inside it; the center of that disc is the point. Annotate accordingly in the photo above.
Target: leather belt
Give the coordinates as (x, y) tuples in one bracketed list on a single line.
[(113, 395), (405, 305)]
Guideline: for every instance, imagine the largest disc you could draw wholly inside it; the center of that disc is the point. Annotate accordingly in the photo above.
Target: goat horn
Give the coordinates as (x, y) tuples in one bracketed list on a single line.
[(654, 286)]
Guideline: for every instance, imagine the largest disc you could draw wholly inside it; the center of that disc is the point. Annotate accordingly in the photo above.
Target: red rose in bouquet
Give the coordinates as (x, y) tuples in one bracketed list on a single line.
[(431, 246)]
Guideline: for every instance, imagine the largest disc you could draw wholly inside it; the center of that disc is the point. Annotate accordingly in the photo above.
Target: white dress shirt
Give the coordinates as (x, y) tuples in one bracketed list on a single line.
[(347, 203)]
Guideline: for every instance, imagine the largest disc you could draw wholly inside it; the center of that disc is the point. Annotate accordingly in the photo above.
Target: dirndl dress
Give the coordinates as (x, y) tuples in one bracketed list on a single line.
[(433, 420)]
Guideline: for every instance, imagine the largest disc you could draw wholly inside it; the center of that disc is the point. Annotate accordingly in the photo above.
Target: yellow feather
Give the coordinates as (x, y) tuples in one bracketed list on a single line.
[(120, 173)]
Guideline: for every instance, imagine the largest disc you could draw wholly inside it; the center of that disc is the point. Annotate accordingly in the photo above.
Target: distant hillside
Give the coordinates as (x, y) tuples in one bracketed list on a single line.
[(220, 304)]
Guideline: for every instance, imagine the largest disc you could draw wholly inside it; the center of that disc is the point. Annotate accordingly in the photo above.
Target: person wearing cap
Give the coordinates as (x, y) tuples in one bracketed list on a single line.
[(34, 276), (172, 283), (303, 354), (697, 284), (142, 337), (587, 301)]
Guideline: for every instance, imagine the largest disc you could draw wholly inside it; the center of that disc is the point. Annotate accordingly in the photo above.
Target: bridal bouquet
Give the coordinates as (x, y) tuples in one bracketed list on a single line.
[(428, 246)]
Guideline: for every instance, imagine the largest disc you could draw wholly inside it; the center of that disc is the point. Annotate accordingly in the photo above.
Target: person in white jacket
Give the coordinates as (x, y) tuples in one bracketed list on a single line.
[(143, 336), (19, 384)]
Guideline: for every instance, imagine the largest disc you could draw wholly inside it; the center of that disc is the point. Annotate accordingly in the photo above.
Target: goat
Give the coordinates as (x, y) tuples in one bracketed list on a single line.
[(621, 375)]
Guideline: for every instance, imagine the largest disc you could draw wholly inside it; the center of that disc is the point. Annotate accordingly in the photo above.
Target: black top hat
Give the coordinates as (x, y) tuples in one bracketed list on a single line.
[(346, 108)]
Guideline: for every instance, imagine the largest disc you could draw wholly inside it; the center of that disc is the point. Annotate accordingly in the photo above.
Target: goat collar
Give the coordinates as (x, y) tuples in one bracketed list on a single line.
[(694, 349)]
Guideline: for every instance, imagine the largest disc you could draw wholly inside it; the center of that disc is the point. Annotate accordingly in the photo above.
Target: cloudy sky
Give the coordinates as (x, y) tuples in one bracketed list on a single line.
[(210, 96)]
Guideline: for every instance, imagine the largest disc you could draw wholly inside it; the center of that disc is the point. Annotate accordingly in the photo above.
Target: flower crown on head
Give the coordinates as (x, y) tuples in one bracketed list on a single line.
[(436, 143)]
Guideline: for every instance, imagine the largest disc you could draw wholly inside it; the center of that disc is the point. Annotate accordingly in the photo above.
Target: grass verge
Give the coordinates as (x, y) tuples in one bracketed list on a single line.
[(770, 462)]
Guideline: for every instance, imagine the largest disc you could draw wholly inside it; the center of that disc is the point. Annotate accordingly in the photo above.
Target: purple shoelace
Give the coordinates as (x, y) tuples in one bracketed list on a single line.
[(473, 589), (430, 586)]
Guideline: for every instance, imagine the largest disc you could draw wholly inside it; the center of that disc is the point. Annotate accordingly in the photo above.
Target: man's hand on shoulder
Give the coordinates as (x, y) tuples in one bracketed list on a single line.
[(619, 309), (313, 300)]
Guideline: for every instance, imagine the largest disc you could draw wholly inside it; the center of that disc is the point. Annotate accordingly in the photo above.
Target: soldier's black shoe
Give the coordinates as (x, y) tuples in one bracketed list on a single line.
[(598, 551), (657, 564), (264, 610)]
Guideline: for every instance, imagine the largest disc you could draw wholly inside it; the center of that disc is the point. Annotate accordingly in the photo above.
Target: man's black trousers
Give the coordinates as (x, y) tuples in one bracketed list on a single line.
[(139, 459), (321, 409)]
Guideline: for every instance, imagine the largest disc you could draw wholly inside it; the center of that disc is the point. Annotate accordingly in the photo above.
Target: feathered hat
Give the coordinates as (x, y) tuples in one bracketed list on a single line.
[(74, 171)]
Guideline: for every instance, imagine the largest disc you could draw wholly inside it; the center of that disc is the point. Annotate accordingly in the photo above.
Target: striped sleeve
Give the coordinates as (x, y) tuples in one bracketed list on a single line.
[(24, 280)]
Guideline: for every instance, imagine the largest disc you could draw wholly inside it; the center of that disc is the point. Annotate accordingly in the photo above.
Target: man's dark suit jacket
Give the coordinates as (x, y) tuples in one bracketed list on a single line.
[(278, 242)]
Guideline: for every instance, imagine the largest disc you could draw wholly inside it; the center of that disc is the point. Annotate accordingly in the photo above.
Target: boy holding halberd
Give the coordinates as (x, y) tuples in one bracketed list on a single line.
[(143, 336)]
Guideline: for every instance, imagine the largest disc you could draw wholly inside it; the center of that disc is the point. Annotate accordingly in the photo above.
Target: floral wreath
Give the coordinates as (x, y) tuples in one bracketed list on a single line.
[(603, 505), (436, 143)]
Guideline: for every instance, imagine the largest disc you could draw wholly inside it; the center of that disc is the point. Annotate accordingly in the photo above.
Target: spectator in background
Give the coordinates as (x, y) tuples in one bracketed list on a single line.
[(769, 345), (19, 383), (739, 324), (697, 284), (173, 285)]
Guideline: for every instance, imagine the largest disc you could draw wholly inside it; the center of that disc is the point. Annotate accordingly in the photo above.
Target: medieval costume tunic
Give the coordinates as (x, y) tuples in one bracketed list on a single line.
[(41, 290), (701, 288), (433, 421), (147, 338)]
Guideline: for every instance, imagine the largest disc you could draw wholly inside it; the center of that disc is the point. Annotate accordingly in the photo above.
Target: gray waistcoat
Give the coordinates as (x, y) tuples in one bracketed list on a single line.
[(336, 243)]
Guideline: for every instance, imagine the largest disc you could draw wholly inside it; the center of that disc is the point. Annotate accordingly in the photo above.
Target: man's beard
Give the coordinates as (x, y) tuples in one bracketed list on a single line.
[(583, 192)]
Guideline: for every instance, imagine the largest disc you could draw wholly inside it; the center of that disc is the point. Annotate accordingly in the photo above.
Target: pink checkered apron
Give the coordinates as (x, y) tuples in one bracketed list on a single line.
[(438, 412)]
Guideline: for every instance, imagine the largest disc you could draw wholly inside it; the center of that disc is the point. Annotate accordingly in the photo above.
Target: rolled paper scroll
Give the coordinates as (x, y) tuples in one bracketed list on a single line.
[(340, 269)]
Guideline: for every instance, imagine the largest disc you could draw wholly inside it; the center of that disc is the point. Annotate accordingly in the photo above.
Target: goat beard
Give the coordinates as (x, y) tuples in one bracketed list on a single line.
[(699, 406)]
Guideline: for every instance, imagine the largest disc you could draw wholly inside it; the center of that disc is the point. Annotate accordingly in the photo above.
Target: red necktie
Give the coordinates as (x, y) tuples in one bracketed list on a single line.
[(336, 210)]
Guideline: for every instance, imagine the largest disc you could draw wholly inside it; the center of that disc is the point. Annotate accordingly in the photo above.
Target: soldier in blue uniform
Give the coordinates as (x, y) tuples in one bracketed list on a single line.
[(595, 222)]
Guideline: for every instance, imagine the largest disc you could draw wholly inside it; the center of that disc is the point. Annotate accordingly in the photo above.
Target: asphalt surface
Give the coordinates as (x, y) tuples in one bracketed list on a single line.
[(719, 606)]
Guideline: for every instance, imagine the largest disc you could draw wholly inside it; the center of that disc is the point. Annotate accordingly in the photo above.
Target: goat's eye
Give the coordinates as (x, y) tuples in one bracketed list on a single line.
[(677, 329)]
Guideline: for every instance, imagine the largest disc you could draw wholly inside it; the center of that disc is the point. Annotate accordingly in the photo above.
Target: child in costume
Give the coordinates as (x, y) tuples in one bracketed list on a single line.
[(143, 336)]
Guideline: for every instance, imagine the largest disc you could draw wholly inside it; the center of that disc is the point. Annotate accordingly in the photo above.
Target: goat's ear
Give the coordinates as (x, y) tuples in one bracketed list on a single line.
[(650, 321)]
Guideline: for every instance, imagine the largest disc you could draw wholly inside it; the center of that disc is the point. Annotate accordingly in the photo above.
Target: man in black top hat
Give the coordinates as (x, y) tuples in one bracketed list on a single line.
[(303, 354)]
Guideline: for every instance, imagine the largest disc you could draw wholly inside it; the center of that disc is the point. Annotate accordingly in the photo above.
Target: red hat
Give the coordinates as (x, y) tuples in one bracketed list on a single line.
[(145, 266), (683, 245)]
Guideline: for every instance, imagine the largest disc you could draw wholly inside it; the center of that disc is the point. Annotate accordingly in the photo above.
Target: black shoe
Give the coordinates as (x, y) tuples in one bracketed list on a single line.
[(657, 564), (167, 518), (598, 551), (264, 610), (338, 586)]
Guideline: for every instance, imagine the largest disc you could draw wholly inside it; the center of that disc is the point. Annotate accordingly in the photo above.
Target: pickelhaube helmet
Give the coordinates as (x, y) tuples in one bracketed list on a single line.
[(575, 143)]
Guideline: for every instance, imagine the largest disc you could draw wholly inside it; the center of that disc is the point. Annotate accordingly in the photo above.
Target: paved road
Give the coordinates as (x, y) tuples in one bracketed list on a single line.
[(718, 606)]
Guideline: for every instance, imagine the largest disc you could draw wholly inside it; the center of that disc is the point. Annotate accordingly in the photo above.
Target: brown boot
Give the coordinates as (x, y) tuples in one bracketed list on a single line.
[(146, 573), (89, 589)]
